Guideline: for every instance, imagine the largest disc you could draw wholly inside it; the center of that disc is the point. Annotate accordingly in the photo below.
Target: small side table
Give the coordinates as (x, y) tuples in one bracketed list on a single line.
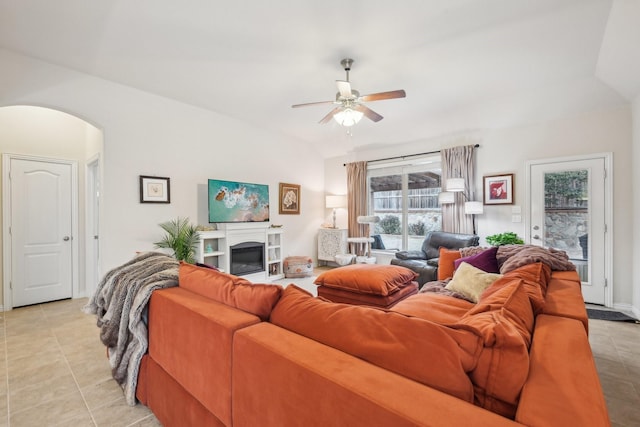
[(331, 242)]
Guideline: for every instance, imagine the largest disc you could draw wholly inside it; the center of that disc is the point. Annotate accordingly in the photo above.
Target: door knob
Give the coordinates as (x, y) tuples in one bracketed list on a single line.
[(536, 237), (535, 227), (66, 238)]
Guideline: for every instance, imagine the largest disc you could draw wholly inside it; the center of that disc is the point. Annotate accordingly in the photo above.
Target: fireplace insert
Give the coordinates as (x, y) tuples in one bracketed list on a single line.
[(247, 258)]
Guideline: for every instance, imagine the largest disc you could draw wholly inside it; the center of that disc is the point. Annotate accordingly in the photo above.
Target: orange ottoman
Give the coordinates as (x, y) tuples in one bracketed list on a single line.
[(367, 284), (358, 298)]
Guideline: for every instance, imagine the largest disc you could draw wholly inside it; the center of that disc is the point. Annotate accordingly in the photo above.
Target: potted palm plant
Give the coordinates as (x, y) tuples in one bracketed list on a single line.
[(182, 237)]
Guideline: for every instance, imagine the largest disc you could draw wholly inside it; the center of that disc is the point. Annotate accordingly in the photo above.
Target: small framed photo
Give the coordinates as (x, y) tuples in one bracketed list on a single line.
[(154, 189), (289, 201), (498, 189)]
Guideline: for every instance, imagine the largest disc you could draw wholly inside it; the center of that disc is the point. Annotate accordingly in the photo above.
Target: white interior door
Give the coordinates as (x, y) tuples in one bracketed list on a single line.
[(568, 212), (40, 231)]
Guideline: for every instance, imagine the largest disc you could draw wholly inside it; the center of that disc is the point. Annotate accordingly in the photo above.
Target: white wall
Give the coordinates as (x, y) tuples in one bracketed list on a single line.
[(507, 150), (635, 160), (149, 135)]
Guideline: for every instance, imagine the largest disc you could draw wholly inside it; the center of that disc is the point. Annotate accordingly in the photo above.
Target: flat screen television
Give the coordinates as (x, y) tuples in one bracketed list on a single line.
[(231, 201)]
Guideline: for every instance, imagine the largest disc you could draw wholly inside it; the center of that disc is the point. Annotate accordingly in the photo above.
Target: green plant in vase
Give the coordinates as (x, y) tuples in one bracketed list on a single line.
[(182, 237), (507, 238)]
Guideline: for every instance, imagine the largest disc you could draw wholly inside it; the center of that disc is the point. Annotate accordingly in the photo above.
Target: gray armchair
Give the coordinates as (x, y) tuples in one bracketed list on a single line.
[(425, 261)]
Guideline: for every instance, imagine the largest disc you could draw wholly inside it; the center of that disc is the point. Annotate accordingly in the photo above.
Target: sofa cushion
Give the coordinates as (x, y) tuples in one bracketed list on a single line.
[(504, 320), (438, 308), (367, 278), (564, 297), (233, 291), (485, 260), (535, 278), (446, 263), (471, 281), (429, 353)]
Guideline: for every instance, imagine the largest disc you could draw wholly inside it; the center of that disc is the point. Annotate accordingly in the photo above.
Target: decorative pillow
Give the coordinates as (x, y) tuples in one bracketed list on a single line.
[(390, 340), (446, 263), (485, 261), (367, 278), (505, 322), (230, 290), (471, 281), (535, 278)]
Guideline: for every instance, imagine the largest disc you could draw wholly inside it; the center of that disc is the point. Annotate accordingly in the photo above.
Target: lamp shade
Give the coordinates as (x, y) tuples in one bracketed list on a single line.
[(455, 184), (348, 117), (335, 202), (473, 208), (446, 198)]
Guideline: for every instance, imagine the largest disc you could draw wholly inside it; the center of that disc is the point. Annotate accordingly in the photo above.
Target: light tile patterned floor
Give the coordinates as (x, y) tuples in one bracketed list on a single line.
[(54, 372)]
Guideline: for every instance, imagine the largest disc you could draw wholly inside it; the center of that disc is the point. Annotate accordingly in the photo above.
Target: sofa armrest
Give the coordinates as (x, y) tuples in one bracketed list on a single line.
[(411, 255), (426, 272), (189, 333), (563, 387), (317, 385)]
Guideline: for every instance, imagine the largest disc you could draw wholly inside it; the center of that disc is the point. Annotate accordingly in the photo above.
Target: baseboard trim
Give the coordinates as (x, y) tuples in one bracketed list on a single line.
[(628, 308)]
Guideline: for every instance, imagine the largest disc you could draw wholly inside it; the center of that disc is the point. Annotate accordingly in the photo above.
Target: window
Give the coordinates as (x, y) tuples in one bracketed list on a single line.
[(405, 196)]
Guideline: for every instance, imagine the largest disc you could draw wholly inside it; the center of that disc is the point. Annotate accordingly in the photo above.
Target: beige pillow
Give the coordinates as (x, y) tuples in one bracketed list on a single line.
[(471, 281)]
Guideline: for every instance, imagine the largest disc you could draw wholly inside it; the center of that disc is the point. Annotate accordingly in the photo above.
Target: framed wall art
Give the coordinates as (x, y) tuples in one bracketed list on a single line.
[(154, 189), (498, 189), (289, 202)]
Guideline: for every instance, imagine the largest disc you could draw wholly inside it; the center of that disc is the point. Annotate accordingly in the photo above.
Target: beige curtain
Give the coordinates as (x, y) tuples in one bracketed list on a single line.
[(459, 162), (356, 197)]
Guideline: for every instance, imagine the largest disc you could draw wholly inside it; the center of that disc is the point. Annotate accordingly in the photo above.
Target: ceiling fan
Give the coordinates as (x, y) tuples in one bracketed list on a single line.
[(350, 108)]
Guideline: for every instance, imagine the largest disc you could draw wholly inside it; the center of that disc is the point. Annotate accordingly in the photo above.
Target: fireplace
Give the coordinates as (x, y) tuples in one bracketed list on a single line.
[(247, 258)]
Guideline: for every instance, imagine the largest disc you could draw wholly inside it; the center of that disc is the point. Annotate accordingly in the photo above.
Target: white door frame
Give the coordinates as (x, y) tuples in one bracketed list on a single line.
[(6, 223), (92, 211), (608, 211)]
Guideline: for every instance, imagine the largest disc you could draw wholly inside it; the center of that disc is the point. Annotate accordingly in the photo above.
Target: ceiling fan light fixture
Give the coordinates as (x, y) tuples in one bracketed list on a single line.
[(348, 117)]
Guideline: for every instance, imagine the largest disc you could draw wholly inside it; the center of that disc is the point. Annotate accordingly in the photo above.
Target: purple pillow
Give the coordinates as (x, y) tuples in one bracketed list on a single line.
[(485, 261)]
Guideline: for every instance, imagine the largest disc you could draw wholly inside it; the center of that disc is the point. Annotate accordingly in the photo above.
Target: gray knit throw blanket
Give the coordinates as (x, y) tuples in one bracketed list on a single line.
[(120, 303)]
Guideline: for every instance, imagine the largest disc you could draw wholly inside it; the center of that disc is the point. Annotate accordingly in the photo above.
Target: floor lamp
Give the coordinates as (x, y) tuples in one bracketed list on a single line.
[(471, 207)]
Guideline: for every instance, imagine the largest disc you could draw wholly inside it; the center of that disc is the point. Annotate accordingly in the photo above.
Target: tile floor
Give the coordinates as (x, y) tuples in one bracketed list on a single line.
[(56, 372)]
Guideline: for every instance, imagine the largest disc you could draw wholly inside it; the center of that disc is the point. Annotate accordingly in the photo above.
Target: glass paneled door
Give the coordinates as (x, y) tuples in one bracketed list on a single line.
[(405, 197), (568, 213)]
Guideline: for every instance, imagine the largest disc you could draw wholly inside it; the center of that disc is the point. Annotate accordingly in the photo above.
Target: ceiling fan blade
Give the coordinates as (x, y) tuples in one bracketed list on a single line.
[(368, 112), (328, 117), (344, 88), (313, 103), (383, 95)]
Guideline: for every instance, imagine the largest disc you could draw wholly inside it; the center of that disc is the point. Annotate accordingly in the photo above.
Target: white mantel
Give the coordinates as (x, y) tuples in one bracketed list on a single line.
[(244, 232), (236, 233)]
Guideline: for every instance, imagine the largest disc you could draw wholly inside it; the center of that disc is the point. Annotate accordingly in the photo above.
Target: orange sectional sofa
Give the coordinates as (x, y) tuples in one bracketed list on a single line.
[(224, 352)]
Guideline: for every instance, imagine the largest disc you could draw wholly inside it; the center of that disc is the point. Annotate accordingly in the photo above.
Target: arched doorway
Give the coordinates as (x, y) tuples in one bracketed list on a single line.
[(44, 133)]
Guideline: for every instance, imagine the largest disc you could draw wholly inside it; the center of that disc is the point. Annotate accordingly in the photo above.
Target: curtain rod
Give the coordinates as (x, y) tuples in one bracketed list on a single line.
[(408, 155)]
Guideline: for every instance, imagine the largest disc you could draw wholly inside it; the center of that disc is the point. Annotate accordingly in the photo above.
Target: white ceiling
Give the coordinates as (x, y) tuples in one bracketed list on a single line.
[(465, 64)]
